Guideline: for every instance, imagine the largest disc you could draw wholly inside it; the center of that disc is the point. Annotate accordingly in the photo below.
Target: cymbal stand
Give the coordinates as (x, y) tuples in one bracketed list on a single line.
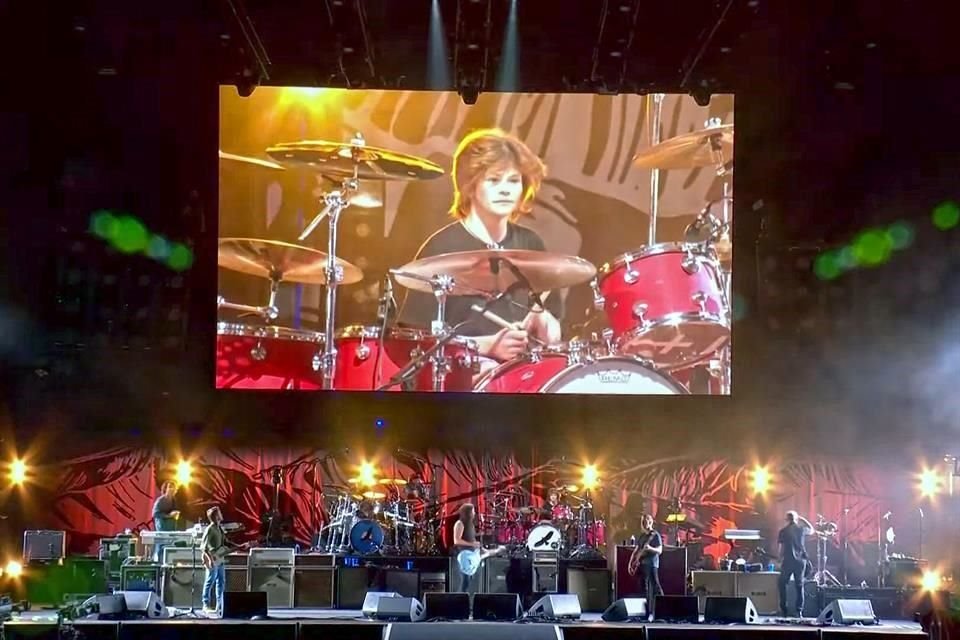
[(441, 285), (336, 202), (721, 233), (269, 312), (656, 108)]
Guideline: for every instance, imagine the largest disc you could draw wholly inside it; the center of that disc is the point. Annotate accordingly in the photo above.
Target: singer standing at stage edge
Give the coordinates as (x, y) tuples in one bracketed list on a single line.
[(495, 180)]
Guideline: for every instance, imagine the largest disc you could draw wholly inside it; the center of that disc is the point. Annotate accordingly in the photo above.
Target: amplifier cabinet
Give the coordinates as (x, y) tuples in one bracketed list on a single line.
[(236, 577), (762, 589), (176, 586), (713, 583), (144, 577), (270, 569), (314, 587), (44, 545)]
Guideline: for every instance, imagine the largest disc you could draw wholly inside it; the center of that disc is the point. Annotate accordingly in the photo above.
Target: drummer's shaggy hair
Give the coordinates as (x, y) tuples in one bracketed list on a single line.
[(486, 149)]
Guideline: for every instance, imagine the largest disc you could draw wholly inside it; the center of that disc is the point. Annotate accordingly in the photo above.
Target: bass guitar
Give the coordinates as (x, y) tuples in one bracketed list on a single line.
[(639, 553), (469, 560)]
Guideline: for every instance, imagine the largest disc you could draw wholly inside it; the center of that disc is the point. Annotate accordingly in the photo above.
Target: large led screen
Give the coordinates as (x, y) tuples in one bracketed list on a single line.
[(511, 246)]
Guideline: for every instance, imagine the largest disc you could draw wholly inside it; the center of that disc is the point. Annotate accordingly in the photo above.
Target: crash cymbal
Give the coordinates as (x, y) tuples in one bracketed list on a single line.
[(341, 158), (374, 495), (485, 270), (688, 150), (356, 481), (282, 260), (399, 482), (257, 162)]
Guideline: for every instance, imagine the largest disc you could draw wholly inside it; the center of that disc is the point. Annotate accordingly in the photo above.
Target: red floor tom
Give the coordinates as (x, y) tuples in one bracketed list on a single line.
[(252, 357), (665, 302)]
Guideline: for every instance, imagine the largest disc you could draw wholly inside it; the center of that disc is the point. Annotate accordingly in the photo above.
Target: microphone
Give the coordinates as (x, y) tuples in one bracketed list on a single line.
[(387, 302)]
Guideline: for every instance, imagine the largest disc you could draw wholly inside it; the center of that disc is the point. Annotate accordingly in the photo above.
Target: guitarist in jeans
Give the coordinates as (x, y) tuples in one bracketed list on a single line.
[(646, 556), (214, 546), (465, 538)]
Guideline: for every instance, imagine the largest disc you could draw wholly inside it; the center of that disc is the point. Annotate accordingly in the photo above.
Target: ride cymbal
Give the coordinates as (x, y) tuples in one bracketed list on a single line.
[(283, 261), (487, 270), (341, 159), (689, 150)]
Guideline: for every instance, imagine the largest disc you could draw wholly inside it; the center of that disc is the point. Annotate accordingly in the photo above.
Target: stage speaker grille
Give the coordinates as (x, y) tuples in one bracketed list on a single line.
[(314, 587), (845, 611), (730, 610), (592, 586)]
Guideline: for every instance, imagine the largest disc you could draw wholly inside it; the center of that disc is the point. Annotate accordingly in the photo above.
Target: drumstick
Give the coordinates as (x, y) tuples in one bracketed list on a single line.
[(497, 320)]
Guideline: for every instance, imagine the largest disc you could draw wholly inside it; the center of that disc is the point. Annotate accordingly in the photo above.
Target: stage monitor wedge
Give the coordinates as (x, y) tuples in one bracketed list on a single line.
[(446, 606), (844, 611), (676, 609), (496, 606), (399, 609), (626, 610), (556, 606), (371, 600), (243, 605), (730, 610)]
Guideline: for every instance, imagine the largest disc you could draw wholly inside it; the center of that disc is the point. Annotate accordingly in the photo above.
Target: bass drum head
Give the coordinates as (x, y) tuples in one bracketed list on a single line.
[(544, 537), (614, 375), (366, 536)]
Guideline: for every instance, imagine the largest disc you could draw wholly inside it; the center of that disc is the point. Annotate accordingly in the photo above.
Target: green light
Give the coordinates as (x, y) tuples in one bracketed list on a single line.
[(872, 248), (846, 258), (900, 234), (826, 266), (946, 215), (158, 248), (103, 224), (739, 307), (130, 236), (181, 257)]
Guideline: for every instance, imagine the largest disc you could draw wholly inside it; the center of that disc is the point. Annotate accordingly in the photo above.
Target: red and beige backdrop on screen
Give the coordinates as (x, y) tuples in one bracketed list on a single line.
[(636, 316)]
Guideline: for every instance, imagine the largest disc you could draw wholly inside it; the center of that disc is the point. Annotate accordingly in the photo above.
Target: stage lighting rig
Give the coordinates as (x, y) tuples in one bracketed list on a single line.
[(471, 50), (355, 54), (618, 21), (249, 63)]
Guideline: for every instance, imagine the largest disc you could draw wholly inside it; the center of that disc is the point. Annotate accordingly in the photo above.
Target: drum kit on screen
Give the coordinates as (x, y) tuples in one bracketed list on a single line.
[(393, 516), (661, 315)]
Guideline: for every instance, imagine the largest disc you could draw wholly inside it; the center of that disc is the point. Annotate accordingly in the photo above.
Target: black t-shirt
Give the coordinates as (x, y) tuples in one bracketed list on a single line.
[(469, 533), (654, 540), (791, 544), (420, 308)]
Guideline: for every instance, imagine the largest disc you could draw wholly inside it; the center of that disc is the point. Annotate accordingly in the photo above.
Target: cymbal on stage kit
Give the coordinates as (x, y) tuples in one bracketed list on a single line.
[(281, 260), (688, 150), (341, 158), (362, 481), (484, 270), (256, 162), (374, 495), (399, 482)]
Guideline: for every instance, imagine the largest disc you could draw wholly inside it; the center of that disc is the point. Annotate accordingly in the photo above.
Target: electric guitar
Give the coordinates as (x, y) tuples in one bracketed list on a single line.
[(220, 553), (469, 560), (639, 553)]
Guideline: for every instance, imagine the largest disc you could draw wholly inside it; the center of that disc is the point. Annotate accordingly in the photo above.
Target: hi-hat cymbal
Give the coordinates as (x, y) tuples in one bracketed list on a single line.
[(257, 162), (340, 158), (281, 260), (485, 270), (689, 150), (374, 495)]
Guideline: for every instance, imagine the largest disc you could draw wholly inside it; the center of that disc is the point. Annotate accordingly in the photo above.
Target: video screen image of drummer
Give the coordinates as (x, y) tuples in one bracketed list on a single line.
[(404, 241)]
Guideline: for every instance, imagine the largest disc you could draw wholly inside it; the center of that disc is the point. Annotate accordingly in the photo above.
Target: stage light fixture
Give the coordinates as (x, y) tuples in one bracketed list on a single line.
[(18, 471), (931, 581), (929, 483), (184, 472), (367, 474), (760, 480), (469, 95), (13, 569), (591, 476)]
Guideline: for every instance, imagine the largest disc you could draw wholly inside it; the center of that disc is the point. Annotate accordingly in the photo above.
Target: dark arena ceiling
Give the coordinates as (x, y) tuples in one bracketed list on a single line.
[(845, 121)]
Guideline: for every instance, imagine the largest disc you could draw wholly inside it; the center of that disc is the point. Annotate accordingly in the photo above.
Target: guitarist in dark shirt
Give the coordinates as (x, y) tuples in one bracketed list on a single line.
[(646, 557), (214, 547)]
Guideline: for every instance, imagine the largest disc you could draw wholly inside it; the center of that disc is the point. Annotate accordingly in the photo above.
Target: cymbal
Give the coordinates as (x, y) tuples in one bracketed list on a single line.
[(362, 481), (257, 162), (374, 495), (688, 150), (340, 158), (400, 482), (483, 270), (285, 261)]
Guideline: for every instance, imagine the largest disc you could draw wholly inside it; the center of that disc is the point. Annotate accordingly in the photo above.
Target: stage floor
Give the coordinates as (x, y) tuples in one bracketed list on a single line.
[(333, 623)]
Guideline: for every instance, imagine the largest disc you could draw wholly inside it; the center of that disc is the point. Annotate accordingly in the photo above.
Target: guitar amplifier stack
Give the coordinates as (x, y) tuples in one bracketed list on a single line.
[(271, 569), (314, 579)]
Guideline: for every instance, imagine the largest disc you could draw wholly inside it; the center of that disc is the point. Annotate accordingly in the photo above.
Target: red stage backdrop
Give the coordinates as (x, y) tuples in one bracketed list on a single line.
[(103, 494)]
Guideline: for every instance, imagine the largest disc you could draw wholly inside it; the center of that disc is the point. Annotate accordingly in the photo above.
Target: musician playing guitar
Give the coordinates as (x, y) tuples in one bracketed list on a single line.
[(215, 548), (646, 556), (468, 548)]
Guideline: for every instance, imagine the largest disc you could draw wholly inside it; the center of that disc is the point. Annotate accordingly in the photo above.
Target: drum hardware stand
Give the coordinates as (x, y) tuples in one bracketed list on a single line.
[(269, 313), (656, 107), (335, 203)]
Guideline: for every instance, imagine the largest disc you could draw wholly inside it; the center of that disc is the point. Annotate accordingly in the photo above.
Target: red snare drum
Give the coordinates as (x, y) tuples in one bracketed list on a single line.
[(561, 373), (665, 302), (250, 357), (358, 347), (597, 534)]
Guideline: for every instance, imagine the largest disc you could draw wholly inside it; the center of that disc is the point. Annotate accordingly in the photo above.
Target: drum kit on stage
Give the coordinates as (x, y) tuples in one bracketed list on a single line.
[(663, 309)]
